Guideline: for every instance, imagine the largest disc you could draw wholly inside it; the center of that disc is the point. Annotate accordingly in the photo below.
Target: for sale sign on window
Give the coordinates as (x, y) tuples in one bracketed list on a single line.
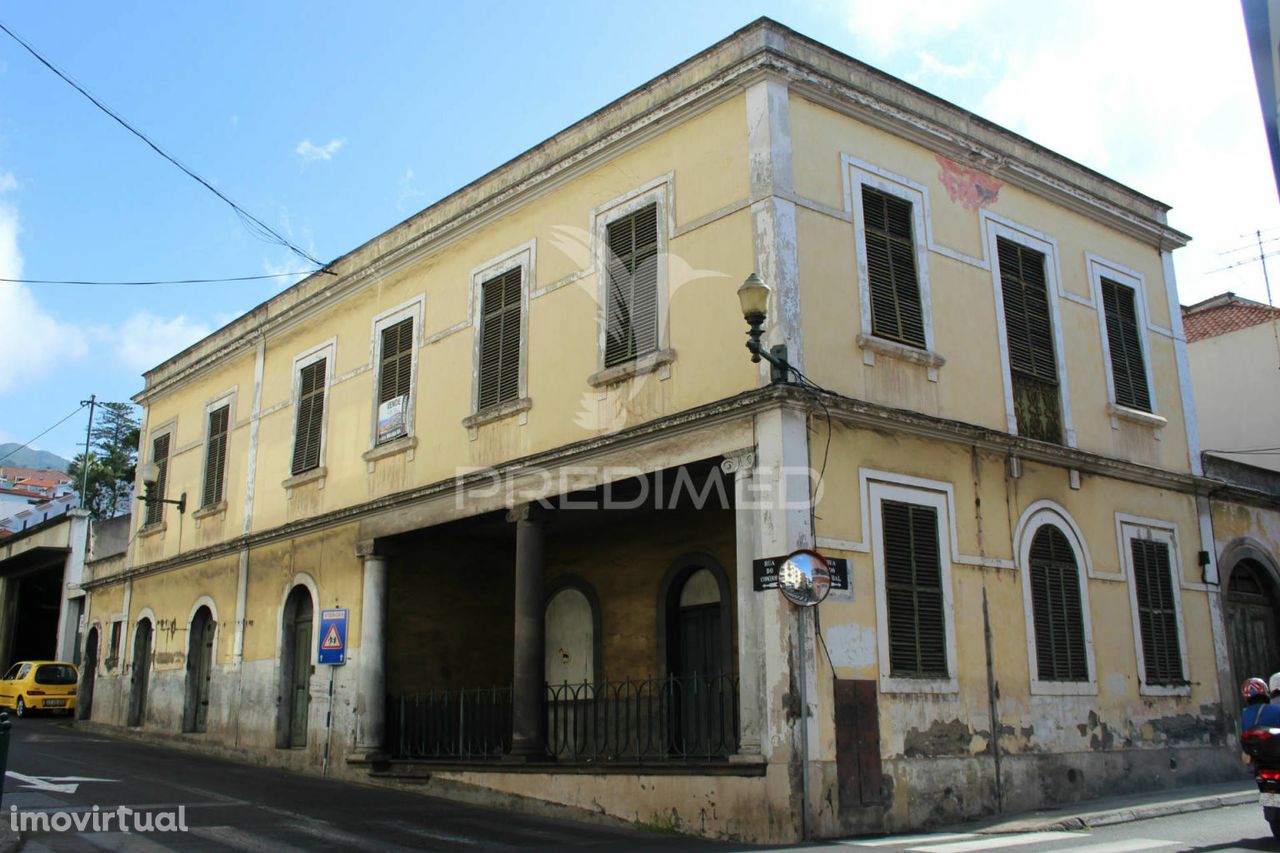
[(391, 418)]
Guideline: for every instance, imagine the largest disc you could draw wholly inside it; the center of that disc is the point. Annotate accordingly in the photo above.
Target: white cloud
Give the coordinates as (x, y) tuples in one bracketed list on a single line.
[(1158, 97), (409, 197), (146, 340), (26, 323), (310, 152)]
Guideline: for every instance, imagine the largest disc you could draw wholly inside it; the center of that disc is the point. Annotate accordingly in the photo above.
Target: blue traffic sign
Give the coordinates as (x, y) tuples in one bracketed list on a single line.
[(333, 637)]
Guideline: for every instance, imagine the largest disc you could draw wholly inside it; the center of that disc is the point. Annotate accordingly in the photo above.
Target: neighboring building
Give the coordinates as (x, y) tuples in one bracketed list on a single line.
[(41, 598), (1234, 348), (1005, 450)]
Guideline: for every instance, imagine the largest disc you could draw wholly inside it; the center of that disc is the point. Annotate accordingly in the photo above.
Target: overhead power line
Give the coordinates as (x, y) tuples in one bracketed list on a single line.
[(252, 223), (150, 283), (29, 442)]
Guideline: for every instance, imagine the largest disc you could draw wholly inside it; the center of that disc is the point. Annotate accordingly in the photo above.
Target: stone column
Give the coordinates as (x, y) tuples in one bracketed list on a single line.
[(371, 704), (740, 464), (529, 679)]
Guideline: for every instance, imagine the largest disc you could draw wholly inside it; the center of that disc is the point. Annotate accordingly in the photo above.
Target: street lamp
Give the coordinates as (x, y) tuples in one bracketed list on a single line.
[(753, 295), (150, 473)]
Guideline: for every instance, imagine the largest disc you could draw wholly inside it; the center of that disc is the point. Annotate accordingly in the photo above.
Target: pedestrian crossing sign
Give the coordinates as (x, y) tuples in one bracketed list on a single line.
[(333, 637)]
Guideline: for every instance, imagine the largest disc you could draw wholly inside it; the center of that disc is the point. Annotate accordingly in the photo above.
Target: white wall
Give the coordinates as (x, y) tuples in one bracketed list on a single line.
[(1236, 381)]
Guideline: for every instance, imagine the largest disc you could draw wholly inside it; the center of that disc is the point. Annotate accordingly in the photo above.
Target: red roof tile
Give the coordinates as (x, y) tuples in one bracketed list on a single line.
[(1224, 313)]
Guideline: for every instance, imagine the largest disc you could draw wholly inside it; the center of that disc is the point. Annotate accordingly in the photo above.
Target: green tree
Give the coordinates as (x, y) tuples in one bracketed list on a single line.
[(113, 458)]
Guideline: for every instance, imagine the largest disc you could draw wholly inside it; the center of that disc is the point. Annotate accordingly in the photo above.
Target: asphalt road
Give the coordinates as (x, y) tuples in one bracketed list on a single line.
[(54, 768)]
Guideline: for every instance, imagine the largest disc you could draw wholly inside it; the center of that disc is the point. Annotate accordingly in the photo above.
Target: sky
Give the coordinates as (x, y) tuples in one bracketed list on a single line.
[(332, 122)]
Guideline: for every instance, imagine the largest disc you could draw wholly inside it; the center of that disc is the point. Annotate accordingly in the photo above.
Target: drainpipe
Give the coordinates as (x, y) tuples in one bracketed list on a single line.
[(993, 696)]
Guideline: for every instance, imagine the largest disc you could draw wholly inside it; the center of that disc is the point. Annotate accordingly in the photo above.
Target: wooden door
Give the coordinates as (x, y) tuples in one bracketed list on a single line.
[(697, 673), (1253, 633), (88, 674), (202, 671), (141, 673), (300, 681)]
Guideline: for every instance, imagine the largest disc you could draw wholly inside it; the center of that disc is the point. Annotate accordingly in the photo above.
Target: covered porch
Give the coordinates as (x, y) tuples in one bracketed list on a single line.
[(595, 628)]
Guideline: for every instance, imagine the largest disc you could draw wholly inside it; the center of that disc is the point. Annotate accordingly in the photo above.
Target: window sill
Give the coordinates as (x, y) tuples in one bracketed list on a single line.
[(497, 413), (307, 477), (636, 367), (1063, 688), (903, 684), (153, 529), (404, 444), (871, 345), (1136, 416), (209, 511)]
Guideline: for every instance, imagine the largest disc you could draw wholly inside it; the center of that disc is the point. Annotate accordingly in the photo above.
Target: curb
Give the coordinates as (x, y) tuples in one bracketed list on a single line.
[(1110, 817)]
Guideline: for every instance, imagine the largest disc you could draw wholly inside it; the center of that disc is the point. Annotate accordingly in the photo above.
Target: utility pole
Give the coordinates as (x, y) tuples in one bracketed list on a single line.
[(88, 434), (1275, 326)]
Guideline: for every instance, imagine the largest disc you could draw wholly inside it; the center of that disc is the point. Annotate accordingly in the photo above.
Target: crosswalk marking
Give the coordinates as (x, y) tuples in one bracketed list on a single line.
[(238, 839), (996, 842), (437, 834), (125, 841), (1129, 845), (899, 840)]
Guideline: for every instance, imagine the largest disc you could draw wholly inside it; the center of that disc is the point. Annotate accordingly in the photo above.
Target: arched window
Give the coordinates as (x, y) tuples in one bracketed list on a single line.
[(571, 637), (1056, 608)]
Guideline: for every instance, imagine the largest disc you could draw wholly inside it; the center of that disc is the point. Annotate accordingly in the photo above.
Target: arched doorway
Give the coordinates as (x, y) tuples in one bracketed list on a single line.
[(570, 637), (88, 674), (698, 656), (1253, 631), (296, 657), (195, 717), (140, 672)]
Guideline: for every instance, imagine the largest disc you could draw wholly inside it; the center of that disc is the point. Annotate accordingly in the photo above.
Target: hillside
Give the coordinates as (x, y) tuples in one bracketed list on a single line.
[(28, 458)]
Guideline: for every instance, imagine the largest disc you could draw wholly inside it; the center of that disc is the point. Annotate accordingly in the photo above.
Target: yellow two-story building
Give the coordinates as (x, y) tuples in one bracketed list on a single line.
[(518, 439)]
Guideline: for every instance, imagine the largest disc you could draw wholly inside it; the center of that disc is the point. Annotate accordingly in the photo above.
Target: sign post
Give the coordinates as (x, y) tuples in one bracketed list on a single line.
[(332, 652)]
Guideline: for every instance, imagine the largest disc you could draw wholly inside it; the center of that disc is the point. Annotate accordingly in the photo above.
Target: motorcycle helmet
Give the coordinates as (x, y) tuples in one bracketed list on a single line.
[(1254, 689), (1274, 684)]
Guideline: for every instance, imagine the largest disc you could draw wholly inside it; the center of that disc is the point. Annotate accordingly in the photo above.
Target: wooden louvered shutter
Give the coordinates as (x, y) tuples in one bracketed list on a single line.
[(310, 423), (1128, 373), (631, 309), (896, 311), (1029, 335), (215, 456), (913, 591), (500, 339), (1056, 608), (160, 456), (395, 370), (1157, 616)]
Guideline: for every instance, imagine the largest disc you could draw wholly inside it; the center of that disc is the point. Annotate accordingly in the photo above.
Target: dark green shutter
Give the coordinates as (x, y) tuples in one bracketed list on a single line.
[(913, 591), (1029, 334), (631, 269), (160, 456), (215, 456), (310, 422), (1056, 608), (1128, 373), (1157, 616), (500, 339), (396, 364), (896, 311)]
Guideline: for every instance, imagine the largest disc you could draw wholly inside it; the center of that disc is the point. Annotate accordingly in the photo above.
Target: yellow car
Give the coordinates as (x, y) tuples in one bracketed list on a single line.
[(39, 685)]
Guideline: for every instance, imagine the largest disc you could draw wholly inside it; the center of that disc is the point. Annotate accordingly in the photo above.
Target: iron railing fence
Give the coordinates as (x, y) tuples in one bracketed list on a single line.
[(463, 724), (677, 718)]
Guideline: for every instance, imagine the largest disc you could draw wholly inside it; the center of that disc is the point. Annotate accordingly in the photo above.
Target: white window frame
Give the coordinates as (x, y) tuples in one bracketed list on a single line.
[(999, 227), (1036, 516), (878, 492), (413, 309), (1100, 268), (659, 192), (857, 175), (1130, 527), (228, 399), (523, 256), (306, 358)]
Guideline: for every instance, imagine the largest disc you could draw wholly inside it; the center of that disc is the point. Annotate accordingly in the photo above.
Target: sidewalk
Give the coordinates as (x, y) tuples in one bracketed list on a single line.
[(1112, 810), (8, 838)]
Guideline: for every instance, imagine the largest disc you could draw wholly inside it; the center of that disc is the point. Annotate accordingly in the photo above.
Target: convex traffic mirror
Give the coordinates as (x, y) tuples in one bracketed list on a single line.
[(804, 578)]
